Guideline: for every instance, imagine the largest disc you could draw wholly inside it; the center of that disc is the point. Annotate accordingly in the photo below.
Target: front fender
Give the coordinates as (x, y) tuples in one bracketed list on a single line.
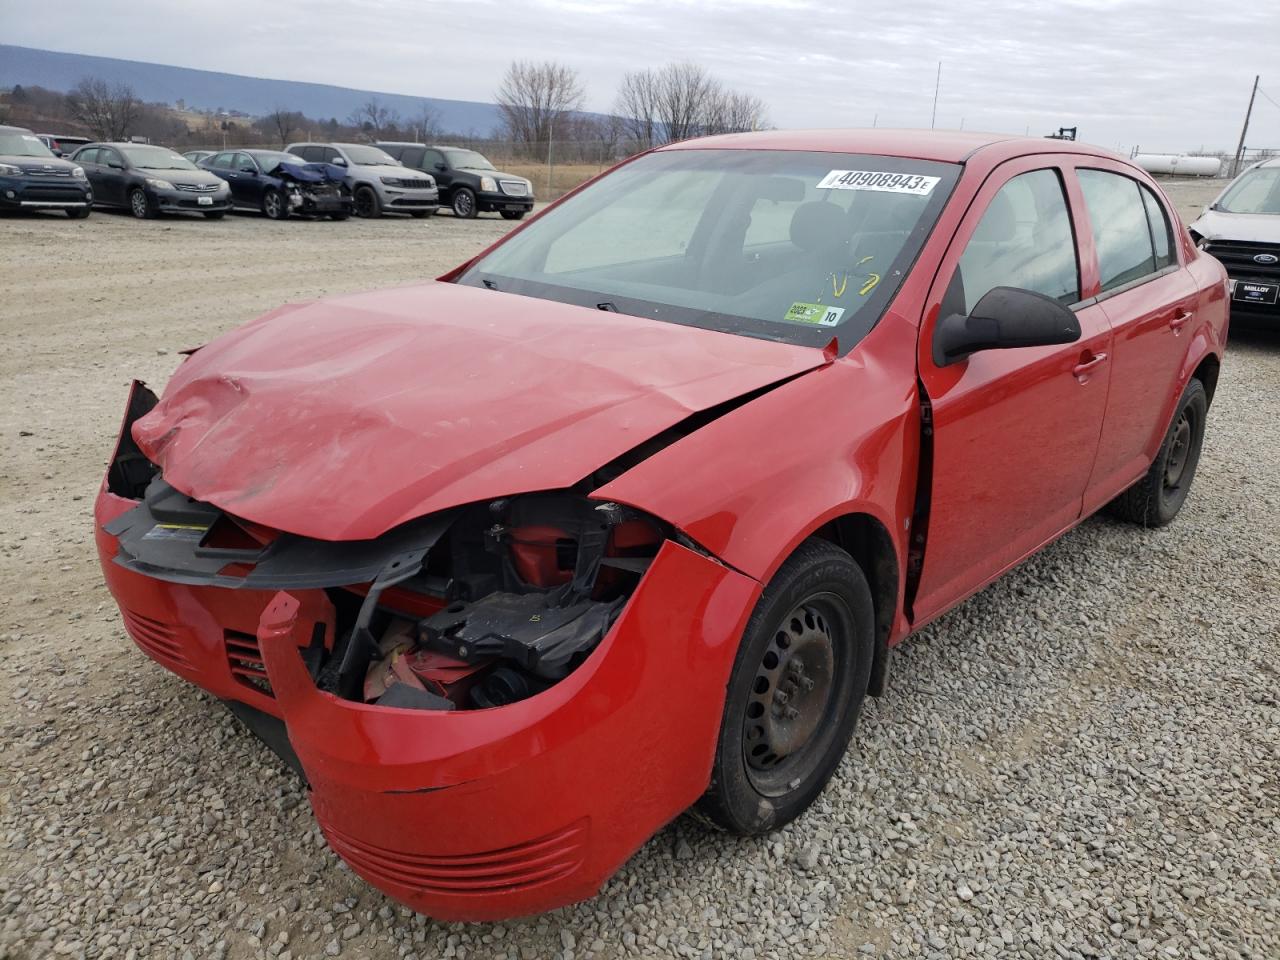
[(841, 439)]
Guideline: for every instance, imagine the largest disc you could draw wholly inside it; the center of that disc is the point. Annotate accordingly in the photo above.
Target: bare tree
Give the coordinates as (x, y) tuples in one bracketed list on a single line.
[(425, 124), (732, 112), (108, 110), (374, 118), (637, 109), (684, 93), (535, 97), (282, 123)]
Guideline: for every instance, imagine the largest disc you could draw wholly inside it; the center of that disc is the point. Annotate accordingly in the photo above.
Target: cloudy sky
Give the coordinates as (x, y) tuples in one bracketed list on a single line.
[(1168, 75)]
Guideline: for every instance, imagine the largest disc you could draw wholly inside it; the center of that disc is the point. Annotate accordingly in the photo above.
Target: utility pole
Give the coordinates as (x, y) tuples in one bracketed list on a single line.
[(551, 137), (1235, 167), (937, 85)]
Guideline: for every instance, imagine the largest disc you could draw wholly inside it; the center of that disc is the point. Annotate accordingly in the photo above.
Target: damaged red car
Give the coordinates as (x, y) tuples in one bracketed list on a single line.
[(624, 516)]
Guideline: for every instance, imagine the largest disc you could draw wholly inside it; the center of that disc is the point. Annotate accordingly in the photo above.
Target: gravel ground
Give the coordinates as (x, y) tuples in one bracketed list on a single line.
[(1083, 760)]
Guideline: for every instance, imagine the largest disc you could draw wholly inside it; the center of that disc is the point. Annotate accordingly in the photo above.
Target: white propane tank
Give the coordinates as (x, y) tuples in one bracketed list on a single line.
[(1182, 166)]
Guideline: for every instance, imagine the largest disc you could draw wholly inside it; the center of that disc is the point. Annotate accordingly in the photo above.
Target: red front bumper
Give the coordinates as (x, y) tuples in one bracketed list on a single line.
[(476, 814)]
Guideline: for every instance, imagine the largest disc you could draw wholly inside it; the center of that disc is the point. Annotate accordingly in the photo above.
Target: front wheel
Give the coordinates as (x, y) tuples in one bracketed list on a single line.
[(367, 203), (274, 205), (797, 686), (512, 214), (1156, 499), (140, 205), (464, 204)]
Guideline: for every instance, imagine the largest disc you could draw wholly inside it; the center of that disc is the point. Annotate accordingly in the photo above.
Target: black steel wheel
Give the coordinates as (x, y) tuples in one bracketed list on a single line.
[(1156, 499), (464, 204), (367, 203), (796, 689)]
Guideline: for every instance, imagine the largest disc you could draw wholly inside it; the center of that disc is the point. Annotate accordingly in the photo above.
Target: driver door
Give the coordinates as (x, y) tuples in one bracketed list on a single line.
[(1015, 431)]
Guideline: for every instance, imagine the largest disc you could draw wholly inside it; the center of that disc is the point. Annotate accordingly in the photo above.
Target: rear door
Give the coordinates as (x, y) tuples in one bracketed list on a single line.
[(1150, 300), (88, 160), (1015, 431), (112, 176), (434, 163)]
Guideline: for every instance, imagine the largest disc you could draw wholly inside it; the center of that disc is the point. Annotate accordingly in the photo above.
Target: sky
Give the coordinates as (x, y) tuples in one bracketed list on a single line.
[(1168, 76)]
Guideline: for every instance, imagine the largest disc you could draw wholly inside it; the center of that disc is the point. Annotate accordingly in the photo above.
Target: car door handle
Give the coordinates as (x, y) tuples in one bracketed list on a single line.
[(1180, 319), (1086, 367)]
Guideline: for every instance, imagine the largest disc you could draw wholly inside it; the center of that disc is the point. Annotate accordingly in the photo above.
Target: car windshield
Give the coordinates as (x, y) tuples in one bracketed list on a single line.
[(782, 245), (22, 145), (369, 156), (1257, 191), (156, 158), (467, 160)]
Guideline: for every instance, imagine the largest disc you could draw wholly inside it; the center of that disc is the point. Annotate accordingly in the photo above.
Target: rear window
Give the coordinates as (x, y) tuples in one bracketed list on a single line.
[(1121, 230)]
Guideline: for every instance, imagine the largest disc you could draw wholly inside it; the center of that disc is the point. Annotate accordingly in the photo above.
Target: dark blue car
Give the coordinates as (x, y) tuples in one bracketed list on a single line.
[(280, 185), (32, 178)]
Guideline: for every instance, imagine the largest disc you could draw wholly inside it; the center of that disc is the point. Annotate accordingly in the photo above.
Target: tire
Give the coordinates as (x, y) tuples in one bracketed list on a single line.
[(79, 213), (339, 216), (275, 206), (140, 204), (464, 204), (1156, 499), (816, 612), (512, 214), (367, 203), (214, 214)]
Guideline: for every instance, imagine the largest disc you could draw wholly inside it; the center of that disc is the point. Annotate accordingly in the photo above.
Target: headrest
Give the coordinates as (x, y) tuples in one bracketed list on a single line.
[(818, 226)]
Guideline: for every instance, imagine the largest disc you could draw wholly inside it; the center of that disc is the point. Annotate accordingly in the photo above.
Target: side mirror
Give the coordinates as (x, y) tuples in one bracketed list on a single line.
[(115, 165), (339, 161), (248, 169), (441, 166), (1006, 317)]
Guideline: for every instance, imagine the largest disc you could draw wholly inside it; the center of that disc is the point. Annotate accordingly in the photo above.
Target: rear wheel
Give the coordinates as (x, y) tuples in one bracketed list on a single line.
[(512, 214), (1156, 499), (797, 686), (464, 204), (274, 205), (140, 204), (367, 203)]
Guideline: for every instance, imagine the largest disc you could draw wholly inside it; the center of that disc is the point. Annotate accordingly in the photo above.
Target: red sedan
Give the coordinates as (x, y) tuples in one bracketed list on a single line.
[(624, 515)]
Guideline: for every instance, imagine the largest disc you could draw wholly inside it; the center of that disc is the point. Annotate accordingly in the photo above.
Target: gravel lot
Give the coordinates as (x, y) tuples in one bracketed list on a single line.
[(1084, 760)]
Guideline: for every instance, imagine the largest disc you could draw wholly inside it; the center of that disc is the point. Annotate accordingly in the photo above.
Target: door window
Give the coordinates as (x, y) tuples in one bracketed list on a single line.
[(411, 157), (430, 158), (244, 163), (1024, 240), (222, 161), (1161, 232), (87, 156), (329, 154), (1121, 229), (108, 156)]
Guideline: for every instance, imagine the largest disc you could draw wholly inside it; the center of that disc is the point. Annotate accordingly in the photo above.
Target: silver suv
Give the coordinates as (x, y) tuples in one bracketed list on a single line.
[(379, 183)]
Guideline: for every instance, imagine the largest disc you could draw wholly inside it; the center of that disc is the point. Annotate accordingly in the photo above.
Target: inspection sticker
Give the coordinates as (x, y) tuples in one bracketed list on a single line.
[(912, 183), (817, 313)]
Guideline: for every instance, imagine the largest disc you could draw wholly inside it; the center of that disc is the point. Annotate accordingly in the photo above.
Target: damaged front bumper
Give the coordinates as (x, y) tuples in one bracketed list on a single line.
[(463, 814)]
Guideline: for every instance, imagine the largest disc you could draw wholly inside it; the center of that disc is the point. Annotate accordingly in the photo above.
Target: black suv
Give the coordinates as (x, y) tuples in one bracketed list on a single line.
[(32, 178), (468, 182)]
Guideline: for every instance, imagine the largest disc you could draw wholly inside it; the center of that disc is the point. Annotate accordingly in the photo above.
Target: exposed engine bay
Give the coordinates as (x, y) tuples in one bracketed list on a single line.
[(473, 608)]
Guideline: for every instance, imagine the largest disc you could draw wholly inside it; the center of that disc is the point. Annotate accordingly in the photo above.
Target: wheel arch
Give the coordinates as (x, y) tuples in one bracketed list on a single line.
[(868, 541), (1206, 372)]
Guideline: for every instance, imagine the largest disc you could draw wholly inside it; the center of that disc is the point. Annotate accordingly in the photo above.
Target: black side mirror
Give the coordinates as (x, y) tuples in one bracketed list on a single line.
[(441, 166), (1006, 317)]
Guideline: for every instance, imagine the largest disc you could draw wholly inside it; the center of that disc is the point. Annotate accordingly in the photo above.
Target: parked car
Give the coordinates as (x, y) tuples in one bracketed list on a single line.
[(280, 184), (626, 513), (149, 180), (61, 145), (1242, 229), (469, 184), (32, 178), (377, 182), (196, 156)]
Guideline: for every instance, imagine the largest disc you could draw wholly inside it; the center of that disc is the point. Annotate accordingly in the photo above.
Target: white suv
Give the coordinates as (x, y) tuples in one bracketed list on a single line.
[(379, 183)]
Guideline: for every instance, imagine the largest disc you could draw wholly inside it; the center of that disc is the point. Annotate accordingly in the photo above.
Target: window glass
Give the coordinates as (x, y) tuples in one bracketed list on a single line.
[(244, 163), (1161, 232), (328, 154), (1024, 240), (222, 161), (1256, 191), (411, 157), (107, 156), (87, 156), (781, 244), (431, 158), (1121, 231)]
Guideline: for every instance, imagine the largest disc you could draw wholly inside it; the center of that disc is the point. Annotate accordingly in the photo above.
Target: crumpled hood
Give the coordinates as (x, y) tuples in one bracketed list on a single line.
[(342, 418), (1247, 227)]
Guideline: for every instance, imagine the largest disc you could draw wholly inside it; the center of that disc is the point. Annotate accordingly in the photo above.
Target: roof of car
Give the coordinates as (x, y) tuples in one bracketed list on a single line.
[(947, 146), (9, 129)]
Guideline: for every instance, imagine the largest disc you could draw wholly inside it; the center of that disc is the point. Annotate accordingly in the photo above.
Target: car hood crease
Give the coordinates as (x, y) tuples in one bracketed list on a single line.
[(343, 418)]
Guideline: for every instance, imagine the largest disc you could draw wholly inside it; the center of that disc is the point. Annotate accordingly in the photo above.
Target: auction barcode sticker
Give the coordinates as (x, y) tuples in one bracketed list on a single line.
[(913, 183)]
